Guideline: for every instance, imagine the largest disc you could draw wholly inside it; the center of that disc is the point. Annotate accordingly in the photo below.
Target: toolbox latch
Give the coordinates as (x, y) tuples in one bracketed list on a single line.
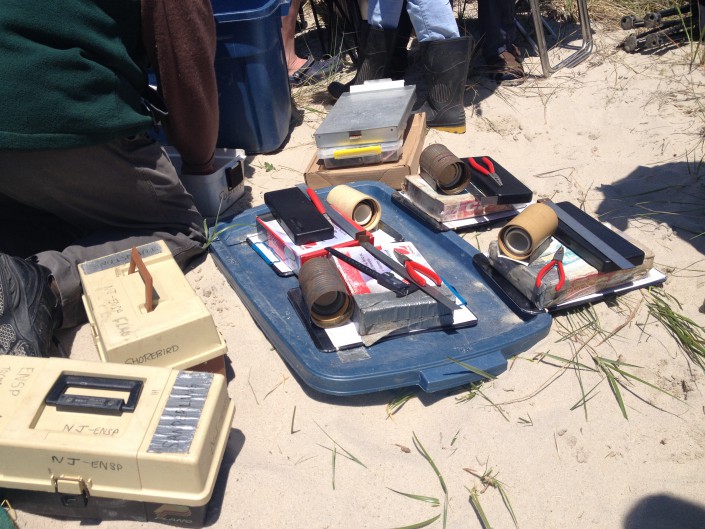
[(71, 485)]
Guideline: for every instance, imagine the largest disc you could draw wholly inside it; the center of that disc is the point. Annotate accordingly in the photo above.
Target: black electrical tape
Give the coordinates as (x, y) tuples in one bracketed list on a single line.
[(447, 171)]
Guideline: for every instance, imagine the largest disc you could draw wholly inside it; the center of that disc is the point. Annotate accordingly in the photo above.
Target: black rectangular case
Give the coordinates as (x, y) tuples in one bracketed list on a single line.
[(512, 190), (298, 216)]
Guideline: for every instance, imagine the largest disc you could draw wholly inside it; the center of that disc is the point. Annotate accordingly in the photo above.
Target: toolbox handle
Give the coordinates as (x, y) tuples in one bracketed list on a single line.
[(93, 404), (136, 261)]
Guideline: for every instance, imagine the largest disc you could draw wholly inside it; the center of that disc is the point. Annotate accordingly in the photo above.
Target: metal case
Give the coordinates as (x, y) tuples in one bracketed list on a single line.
[(362, 118)]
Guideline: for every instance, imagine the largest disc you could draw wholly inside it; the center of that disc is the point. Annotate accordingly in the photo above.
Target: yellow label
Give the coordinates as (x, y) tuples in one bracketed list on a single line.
[(357, 151)]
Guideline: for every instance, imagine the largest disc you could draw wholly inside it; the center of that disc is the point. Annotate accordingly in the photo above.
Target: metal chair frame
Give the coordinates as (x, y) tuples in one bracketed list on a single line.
[(540, 46)]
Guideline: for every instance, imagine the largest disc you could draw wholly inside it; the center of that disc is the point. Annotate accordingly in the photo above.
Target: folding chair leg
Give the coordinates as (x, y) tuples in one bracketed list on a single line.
[(576, 57)]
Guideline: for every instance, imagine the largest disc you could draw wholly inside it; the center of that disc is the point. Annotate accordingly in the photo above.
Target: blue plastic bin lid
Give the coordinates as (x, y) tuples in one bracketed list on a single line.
[(428, 360), (244, 10)]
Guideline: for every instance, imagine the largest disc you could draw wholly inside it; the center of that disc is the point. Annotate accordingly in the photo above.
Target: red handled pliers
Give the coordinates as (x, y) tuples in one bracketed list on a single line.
[(558, 262), (487, 171), (415, 270)]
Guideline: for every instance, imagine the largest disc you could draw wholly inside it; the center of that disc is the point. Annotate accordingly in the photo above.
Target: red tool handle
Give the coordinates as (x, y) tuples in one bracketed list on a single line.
[(484, 170), (316, 201), (546, 269)]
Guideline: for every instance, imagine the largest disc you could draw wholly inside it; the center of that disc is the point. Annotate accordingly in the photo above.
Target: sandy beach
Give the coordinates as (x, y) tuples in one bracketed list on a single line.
[(620, 135)]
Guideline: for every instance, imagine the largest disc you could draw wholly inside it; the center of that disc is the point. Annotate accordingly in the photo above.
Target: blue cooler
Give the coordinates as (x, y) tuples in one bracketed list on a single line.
[(253, 82)]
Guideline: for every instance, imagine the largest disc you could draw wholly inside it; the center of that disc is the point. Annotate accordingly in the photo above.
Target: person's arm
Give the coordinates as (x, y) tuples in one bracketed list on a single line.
[(179, 37)]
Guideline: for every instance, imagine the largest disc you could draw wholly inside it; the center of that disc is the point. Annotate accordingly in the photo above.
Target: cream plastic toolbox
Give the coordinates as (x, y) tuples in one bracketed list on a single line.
[(110, 441), (142, 310)]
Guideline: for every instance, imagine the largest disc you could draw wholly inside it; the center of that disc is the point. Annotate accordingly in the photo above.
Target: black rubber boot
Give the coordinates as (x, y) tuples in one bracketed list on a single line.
[(30, 312), (445, 64), (376, 64)]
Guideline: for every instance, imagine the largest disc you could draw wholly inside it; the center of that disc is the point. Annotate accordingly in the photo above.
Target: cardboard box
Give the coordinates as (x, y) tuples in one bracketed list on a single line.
[(446, 208), (392, 174), (178, 332), (111, 441)]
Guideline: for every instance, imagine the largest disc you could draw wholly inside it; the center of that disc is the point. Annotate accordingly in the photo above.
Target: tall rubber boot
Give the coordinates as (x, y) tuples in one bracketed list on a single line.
[(375, 64), (444, 65)]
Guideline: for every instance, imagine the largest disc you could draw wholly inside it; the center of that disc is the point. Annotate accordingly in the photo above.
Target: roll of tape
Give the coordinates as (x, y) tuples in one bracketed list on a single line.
[(324, 292), (448, 171), (362, 208), (527, 231)]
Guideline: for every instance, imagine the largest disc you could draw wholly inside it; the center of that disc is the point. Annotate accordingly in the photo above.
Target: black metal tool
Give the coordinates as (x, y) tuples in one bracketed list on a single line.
[(386, 279)]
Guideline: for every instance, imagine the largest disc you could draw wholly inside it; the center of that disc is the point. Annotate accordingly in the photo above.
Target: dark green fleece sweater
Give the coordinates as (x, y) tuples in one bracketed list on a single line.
[(71, 73)]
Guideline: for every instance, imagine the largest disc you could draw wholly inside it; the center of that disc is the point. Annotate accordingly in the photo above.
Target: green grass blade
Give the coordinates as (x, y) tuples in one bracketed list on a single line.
[(333, 461), (428, 458), (569, 362), (421, 524), (615, 387), (345, 452), (640, 380), (500, 410), (427, 499), (397, 403), (585, 398), (508, 505), (475, 502), (472, 369)]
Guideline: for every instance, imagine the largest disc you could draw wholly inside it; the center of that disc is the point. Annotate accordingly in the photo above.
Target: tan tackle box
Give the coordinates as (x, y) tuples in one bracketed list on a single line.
[(110, 441), (142, 310)]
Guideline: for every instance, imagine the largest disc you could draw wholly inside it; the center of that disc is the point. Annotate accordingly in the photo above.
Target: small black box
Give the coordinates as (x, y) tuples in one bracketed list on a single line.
[(512, 190), (298, 216)]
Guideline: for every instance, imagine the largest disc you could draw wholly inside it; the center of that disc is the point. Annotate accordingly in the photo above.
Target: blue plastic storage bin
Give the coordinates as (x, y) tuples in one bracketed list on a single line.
[(253, 84)]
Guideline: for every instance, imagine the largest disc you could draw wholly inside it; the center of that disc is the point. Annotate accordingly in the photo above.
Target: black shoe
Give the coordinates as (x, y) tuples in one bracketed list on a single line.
[(506, 67), (29, 310)]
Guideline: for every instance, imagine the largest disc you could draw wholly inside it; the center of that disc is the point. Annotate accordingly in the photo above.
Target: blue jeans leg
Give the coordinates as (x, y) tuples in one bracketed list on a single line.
[(432, 19)]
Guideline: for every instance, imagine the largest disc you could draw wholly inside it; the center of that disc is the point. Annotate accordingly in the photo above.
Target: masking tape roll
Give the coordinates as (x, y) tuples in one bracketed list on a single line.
[(445, 168), (527, 231), (362, 208), (324, 292)]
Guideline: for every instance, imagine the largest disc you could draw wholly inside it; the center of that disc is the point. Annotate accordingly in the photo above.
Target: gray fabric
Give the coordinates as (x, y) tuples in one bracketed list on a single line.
[(70, 206)]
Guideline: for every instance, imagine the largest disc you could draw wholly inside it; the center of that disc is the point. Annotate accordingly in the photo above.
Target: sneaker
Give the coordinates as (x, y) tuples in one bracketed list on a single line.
[(30, 312), (506, 67)]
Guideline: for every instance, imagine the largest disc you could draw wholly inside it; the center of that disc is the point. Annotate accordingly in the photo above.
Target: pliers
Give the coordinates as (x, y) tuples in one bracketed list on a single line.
[(415, 270), (487, 171), (558, 262)]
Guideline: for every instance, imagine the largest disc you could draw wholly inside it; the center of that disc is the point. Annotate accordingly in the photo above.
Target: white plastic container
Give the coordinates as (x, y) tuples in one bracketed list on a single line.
[(348, 156), (214, 193)]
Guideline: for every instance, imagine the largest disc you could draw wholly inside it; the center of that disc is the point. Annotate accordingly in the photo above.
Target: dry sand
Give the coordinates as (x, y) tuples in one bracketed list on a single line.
[(621, 134)]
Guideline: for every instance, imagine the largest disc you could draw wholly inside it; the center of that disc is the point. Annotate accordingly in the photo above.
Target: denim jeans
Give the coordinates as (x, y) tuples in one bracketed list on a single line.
[(496, 18), (432, 19)]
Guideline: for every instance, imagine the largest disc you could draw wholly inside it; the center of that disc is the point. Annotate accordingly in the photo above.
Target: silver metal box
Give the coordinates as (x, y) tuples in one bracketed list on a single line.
[(368, 116)]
